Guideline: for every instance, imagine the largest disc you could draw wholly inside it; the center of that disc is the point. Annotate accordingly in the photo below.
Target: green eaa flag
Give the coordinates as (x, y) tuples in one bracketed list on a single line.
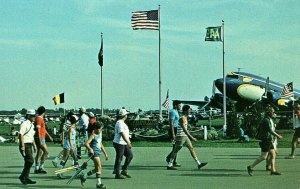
[(213, 34)]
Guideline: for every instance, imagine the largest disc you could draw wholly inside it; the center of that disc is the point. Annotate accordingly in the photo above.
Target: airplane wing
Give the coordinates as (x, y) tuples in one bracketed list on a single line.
[(194, 103)]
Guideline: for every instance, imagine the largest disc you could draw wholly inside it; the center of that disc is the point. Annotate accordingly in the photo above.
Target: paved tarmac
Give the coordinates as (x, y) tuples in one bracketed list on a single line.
[(226, 169)]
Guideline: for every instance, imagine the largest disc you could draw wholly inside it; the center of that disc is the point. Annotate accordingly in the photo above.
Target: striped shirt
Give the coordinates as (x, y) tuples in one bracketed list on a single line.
[(67, 126), (183, 122)]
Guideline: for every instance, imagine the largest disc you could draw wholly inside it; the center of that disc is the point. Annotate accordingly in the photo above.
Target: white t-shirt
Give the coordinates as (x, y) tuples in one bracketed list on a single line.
[(27, 128), (84, 121), (121, 127)]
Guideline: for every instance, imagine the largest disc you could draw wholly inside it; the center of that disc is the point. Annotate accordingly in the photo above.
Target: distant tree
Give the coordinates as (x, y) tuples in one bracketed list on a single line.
[(252, 116)]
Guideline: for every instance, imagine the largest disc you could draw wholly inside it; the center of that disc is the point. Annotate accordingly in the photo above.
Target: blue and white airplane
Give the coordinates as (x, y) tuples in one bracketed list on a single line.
[(244, 89)]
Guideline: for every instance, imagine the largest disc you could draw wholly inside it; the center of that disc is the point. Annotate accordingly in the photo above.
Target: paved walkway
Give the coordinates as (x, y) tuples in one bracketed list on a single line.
[(226, 169)]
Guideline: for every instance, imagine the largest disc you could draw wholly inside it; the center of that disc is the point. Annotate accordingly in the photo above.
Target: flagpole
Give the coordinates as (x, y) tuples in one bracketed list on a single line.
[(159, 64), (101, 80), (224, 83), (294, 118)]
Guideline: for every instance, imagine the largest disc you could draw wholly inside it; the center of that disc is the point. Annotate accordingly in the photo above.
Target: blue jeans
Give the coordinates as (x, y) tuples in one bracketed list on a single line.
[(122, 150)]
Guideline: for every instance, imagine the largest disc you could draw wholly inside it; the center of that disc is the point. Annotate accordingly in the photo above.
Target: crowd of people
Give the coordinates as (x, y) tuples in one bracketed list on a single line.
[(84, 130)]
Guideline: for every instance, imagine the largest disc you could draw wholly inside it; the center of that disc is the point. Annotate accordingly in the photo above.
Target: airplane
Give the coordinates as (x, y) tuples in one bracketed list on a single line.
[(244, 89)]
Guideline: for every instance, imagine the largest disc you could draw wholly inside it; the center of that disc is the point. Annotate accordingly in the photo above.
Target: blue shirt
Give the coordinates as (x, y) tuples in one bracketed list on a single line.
[(173, 115), (96, 144)]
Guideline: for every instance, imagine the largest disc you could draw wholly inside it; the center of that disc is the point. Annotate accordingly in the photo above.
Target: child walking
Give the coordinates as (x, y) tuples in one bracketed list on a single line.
[(95, 148), (70, 144)]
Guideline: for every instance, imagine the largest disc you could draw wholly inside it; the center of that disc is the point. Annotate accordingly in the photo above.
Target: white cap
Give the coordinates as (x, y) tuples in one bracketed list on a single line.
[(122, 112), (91, 114), (30, 112), (82, 109), (76, 117)]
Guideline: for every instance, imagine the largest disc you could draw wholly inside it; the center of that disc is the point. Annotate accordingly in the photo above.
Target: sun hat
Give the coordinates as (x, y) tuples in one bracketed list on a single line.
[(122, 112), (30, 112)]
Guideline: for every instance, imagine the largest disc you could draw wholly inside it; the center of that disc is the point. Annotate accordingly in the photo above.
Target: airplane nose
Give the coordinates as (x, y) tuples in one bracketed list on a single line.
[(219, 84)]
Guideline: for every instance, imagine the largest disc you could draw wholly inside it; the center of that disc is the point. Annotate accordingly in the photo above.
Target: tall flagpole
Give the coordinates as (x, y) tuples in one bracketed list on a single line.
[(102, 75), (224, 83), (159, 65), (101, 91)]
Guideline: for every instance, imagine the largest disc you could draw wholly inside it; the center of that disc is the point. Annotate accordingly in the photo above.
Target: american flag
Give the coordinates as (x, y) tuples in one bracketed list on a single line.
[(287, 91), (166, 102), (145, 20)]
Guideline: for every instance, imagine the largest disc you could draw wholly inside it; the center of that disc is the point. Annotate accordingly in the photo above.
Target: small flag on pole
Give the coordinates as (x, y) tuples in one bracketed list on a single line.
[(287, 91), (166, 102), (145, 20), (213, 34), (100, 54), (58, 99)]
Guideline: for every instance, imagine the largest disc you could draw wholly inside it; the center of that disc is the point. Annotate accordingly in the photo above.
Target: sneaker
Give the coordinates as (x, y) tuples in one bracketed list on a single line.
[(83, 179), (60, 176), (78, 156), (29, 181), (268, 168), (42, 171), (171, 168), (289, 157), (101, 186), (167, 159), (54, 163), (125, 173), (250, 170), (202, 165), (176, 165), (22, 179), (275, 173), (119, 177)]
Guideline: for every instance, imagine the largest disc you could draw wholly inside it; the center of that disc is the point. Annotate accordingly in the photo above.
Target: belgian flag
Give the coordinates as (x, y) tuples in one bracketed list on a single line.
[(58, 99)]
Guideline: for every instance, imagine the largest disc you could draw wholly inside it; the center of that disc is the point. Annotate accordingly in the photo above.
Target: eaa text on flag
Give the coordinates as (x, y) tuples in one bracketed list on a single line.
[(213, 34), (58, 99), (145, 20)]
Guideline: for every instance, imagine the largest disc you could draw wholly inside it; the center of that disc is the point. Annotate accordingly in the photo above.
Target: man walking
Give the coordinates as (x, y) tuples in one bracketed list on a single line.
[(174, 122), (40, 140), (26, 143), (82, 125)]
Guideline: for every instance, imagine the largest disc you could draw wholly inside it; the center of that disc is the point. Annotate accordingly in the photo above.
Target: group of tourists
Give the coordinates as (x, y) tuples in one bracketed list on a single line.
[(32, 138), (33, 132)]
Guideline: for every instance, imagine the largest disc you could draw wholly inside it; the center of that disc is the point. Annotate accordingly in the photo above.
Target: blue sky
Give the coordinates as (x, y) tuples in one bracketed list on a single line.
[(49, 47)]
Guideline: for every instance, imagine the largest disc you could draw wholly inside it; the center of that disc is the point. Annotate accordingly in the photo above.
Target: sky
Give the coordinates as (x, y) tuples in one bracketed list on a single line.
[(50, 47)]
